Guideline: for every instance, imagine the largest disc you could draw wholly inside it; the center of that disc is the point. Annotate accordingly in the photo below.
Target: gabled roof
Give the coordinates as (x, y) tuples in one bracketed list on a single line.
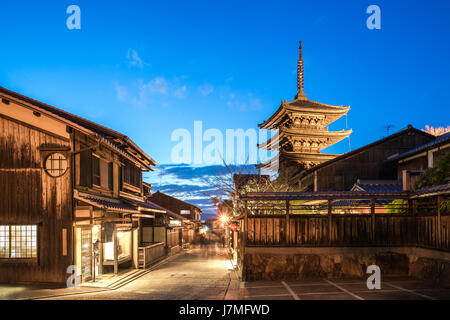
[(112, 135), (169, 212), (440, 140), (409, 128), (159, 193), (142, 205), (378, 185)]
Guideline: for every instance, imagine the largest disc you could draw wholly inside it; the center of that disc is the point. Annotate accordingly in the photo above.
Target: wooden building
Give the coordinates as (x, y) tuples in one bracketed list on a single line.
[(185, 209), (302, 126), (366, 163), (70, 190), (412, 163)]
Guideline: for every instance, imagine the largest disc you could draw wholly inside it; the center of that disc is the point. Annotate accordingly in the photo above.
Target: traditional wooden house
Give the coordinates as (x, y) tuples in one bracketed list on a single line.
[(412, 163), (70, 193), (367, 163), (185, 209), (168, 228)]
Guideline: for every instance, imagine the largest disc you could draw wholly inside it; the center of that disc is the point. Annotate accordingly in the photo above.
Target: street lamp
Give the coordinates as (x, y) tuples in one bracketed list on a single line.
[(224, 219)]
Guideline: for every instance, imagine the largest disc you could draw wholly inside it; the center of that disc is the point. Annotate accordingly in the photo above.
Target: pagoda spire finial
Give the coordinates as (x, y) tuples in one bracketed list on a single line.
[(300, 75)]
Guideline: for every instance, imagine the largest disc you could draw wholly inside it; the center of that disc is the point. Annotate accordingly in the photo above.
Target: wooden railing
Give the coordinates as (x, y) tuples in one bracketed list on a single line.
[(422, 225), (349, 230), (150, 254)]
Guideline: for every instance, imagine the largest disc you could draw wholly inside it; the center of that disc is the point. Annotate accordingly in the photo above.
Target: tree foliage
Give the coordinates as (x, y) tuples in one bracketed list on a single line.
[(437, 175)]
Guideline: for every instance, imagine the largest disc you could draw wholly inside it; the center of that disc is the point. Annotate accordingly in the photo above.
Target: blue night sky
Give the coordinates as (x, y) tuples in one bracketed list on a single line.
[(146, 68)]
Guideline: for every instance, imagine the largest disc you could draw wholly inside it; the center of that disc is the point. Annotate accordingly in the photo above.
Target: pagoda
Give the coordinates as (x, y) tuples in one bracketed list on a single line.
[(302, 129)]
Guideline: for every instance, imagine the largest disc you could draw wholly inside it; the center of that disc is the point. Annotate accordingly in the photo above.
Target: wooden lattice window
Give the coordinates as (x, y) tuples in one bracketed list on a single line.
[(56, 164), (18, 242)]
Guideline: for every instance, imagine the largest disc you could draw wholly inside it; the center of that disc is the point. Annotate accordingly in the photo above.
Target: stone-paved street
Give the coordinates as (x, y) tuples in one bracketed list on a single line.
[(205, 272), (201, 273)]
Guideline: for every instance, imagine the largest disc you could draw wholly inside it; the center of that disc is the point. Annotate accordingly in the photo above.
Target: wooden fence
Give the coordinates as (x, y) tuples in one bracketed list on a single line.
[(423, 225), (150, 254)]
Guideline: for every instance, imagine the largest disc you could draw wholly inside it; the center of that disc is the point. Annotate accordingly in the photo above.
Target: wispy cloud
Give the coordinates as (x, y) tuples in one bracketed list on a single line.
[(121, 92), (134, 60), (206, 89), (157, 85), (180, 92), (189, 183), (246, 102), (158, 91)]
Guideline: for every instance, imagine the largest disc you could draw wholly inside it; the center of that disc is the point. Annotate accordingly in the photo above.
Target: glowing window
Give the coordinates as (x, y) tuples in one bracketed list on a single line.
[(18, 241), (56, 164)]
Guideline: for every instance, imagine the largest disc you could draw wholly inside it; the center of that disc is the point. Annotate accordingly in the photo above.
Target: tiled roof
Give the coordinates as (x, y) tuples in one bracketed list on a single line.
[(145, 206), (443, 188), (169, 212), (378, 185), (438, 141), (321, 195), (344, 203), (165, 195), (110, 204)]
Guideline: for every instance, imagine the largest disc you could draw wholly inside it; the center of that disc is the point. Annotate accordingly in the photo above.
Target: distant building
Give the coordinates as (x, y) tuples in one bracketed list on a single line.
[(185, 209)]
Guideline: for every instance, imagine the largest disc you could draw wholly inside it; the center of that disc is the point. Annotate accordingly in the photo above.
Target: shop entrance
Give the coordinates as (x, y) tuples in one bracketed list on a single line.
[(86, 254)]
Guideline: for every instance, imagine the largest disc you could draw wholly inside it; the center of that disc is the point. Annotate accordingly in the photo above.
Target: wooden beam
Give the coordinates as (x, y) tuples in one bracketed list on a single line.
[(438, 224), (330, 221), (245, 223), (287, 232), (372, 212)]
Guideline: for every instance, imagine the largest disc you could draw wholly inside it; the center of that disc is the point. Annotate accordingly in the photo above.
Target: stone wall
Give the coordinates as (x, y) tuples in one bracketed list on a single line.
[(341, 263)]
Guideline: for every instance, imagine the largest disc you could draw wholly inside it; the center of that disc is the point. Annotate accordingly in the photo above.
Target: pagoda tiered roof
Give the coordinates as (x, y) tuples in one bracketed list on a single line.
[(324, 137), (288, 110), (302, 126)]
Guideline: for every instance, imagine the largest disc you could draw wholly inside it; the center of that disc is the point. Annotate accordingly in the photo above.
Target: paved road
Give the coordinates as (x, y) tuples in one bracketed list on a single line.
[(201, 273), (343, 289), (206, 273)]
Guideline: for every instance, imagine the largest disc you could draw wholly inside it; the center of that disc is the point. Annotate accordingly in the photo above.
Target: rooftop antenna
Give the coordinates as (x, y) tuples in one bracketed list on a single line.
[(300, 75), (388, 128)]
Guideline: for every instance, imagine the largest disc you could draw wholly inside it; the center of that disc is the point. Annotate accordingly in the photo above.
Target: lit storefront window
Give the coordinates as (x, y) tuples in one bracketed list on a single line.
[(123, 245), (18, 242)]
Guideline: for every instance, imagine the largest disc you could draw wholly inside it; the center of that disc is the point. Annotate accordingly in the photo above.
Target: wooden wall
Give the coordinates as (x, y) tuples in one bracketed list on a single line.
[(28, 195), (427, 230), (367, 164)]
